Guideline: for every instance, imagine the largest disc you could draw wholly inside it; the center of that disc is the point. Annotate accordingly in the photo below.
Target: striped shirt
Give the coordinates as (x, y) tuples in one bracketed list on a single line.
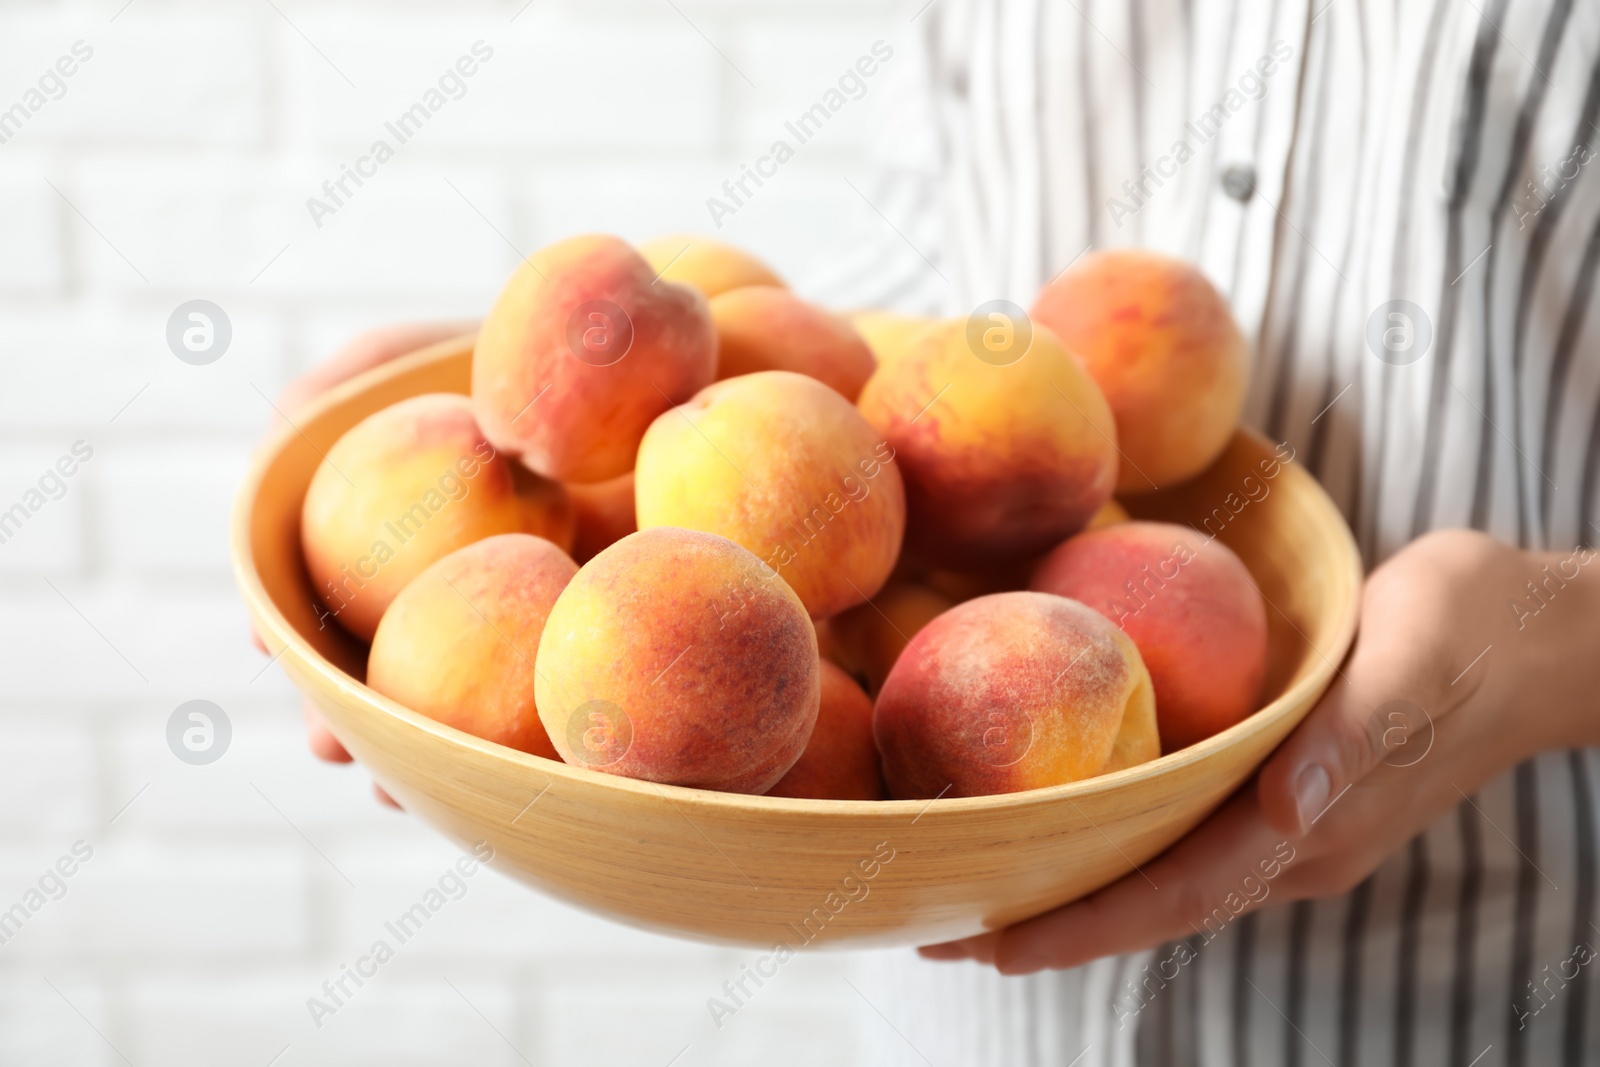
[(1401, 201)]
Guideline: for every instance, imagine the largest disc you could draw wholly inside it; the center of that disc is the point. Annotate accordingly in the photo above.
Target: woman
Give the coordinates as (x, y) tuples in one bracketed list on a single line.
[(1396, 200)]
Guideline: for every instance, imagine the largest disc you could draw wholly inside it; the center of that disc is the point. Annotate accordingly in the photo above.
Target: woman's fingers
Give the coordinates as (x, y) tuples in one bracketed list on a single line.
[(1222, 869), (980, 947), (369, 350), (323, 744), (1384, 703), (384, 798)]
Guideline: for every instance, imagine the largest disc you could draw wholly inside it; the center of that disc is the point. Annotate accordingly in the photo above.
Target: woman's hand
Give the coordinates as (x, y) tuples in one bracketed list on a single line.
[(366, 351), (1449, 684)]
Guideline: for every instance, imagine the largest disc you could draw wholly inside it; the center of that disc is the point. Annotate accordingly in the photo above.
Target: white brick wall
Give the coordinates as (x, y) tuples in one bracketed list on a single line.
[(176, 166)]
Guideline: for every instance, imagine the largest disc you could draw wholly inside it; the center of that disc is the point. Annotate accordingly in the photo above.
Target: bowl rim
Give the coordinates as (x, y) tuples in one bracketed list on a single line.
[(276, 629)]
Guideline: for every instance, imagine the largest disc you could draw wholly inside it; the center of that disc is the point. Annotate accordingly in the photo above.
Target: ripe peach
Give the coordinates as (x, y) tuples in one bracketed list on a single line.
[(1191, 607), (961, 586), (404, 487), (840, 761), (1109, 515), (709, 266), (887, 333), (1004, 451), (762, 328), (676, 656), (581, 351), (1139, 740), (458, 643), (788, 468), (1163, 346), (867, 639), (1004, 693), (604, 512)]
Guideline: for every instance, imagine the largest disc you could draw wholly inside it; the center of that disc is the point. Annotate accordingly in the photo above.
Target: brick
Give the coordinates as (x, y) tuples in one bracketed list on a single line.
[(167, 507), (793, 62), (583, 197), (266, 776), (205, 1015), (413, 1018), (208, 227), (48, 539), (781, 220), (557, 79), (40, 1028), (30, 256), (496, 917), (48, 772), (185, 644), (136, 899), (154, 76), (65, 369), (803, 1015)]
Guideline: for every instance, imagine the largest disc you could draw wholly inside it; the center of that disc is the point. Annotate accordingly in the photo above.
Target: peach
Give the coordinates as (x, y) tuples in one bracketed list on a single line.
[(458, 643), (840, 761), (676, 656), (1109, 515), (961, 586), (404, 487), (1007, 692), (1163, 346), (1139, 740), (1191, 607), (582, 349), (1004, 451), (887, 333), (604, 514), (867, 639), (788, 468), (762, 328), (709, 266)]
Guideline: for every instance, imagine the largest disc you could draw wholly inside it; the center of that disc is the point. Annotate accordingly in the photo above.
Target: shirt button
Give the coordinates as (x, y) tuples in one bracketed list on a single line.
[(1239, 181)]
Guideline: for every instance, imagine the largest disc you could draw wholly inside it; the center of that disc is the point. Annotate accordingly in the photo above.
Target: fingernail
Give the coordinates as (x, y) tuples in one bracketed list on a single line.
[(1023, 965), (1311, 788)]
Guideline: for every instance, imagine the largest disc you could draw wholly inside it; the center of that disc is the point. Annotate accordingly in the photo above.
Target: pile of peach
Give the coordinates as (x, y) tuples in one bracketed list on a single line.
[(693, 529)]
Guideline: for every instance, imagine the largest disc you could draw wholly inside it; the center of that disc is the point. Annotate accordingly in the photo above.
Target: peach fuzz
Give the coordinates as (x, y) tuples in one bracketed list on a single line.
[(1162, 344), (709, 266), (1002, 456), (1004, 693), (582, 349), (887, 333), (867, 640), (1191, 607), (603, 513), (761, 328), (840, 761), (788, 468), (676, 656), (404, 487), (458, 643)]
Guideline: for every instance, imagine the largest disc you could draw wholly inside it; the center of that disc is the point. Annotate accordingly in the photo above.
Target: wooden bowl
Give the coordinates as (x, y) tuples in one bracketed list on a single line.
[(761, 870)]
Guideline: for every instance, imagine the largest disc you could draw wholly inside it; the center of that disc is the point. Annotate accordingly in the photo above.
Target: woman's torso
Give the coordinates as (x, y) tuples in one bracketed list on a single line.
[(1329, 165)]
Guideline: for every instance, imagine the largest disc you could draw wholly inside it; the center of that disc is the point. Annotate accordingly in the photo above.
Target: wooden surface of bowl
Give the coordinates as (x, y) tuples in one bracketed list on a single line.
[(762, 870)]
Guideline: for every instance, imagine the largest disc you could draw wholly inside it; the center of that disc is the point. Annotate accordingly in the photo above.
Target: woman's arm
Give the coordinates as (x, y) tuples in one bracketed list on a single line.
[(1472, 656)]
